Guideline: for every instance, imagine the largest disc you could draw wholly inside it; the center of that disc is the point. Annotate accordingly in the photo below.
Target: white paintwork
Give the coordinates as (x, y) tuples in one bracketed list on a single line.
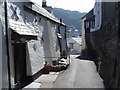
[(77, 41), (35, 57), (98, 15)]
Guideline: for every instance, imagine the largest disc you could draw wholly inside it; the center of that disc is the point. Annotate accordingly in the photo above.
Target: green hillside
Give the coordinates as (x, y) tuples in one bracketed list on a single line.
[(70, 18)]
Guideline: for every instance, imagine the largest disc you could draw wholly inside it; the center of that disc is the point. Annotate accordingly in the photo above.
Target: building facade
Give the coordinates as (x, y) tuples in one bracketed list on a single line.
[(104, 42), (34, 36), (88, 25), (74, 43)]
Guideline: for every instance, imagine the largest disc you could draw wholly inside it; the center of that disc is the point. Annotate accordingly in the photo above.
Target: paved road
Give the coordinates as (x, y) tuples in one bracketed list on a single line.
[(80, 74)]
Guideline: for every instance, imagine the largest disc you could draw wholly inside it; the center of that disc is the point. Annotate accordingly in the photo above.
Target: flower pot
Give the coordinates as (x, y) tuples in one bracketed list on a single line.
[(47, 68)]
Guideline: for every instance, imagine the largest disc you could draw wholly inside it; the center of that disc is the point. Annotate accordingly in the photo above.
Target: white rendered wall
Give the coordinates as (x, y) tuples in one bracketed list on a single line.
[(98, 15), (47, 39), (35, 50), (55, 49), (76, 46), (35, 58), (54, 45)]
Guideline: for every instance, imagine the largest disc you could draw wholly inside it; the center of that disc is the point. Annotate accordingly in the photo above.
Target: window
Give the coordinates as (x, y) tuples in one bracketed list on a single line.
[(71, 45)]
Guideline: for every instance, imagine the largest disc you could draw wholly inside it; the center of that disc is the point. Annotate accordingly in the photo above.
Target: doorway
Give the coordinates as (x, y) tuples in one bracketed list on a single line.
[(19, 50)]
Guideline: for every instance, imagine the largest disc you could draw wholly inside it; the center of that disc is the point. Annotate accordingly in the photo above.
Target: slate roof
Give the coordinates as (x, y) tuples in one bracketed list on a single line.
[(37, 8), (75, 39), (21, 29)]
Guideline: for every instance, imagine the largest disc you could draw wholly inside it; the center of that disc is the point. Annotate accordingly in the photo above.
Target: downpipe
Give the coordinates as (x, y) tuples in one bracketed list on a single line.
[(7, 43)]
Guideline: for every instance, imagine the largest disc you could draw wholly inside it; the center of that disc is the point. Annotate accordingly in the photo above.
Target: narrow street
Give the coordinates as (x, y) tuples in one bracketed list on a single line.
[(80, 74)]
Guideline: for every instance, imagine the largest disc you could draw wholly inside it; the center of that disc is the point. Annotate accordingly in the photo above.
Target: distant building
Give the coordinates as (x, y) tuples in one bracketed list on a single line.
[(74, 43), (88, 24), (73, 32), (34, 36)]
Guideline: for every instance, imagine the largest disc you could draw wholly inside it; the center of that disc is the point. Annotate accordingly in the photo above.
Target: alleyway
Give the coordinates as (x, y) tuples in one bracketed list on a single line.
[(80, 74)]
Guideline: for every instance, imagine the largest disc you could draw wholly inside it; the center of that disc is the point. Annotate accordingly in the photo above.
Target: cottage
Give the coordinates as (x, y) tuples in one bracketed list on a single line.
[(74, 43), (34, 36)]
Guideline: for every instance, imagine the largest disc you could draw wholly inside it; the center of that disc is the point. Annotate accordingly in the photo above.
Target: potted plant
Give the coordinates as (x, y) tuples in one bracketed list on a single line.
[(47, 68)]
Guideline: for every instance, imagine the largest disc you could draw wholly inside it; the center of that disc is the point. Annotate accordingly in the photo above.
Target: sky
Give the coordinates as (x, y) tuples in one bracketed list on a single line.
[(73, 5)]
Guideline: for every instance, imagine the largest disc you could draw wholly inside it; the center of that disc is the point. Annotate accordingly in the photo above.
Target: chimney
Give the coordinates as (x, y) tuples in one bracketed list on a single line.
[(60, 20), (44, 3), (48, 8)]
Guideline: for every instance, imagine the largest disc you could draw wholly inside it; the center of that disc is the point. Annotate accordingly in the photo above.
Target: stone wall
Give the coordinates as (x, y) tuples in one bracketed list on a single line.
[(105, 44)]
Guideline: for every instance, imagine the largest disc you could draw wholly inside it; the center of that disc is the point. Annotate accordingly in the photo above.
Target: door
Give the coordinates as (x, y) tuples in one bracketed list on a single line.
[(19, 63)]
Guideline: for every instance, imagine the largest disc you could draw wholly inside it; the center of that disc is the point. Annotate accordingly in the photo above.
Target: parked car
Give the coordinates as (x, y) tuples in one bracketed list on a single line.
[(63, 62)]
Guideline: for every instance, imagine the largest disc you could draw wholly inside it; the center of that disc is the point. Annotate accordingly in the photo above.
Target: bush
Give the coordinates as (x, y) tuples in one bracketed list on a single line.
[(84, 52)]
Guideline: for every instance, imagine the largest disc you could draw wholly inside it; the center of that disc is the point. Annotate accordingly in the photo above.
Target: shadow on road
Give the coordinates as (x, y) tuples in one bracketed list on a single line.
[(85, 57)]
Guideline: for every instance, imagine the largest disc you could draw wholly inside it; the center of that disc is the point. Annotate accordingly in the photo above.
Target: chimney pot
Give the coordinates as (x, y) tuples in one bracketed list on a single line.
[(44, 3)]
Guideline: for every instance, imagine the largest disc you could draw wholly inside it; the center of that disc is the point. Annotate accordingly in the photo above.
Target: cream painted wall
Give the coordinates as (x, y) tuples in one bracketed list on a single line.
[(83, 35)]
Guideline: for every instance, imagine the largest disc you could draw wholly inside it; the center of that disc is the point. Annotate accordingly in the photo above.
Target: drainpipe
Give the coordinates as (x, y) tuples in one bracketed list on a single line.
[(7, 43), (66, 36), (59, 39)]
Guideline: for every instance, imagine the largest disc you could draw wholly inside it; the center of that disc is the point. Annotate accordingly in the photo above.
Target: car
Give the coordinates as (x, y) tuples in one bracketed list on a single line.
[(63, 61)]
